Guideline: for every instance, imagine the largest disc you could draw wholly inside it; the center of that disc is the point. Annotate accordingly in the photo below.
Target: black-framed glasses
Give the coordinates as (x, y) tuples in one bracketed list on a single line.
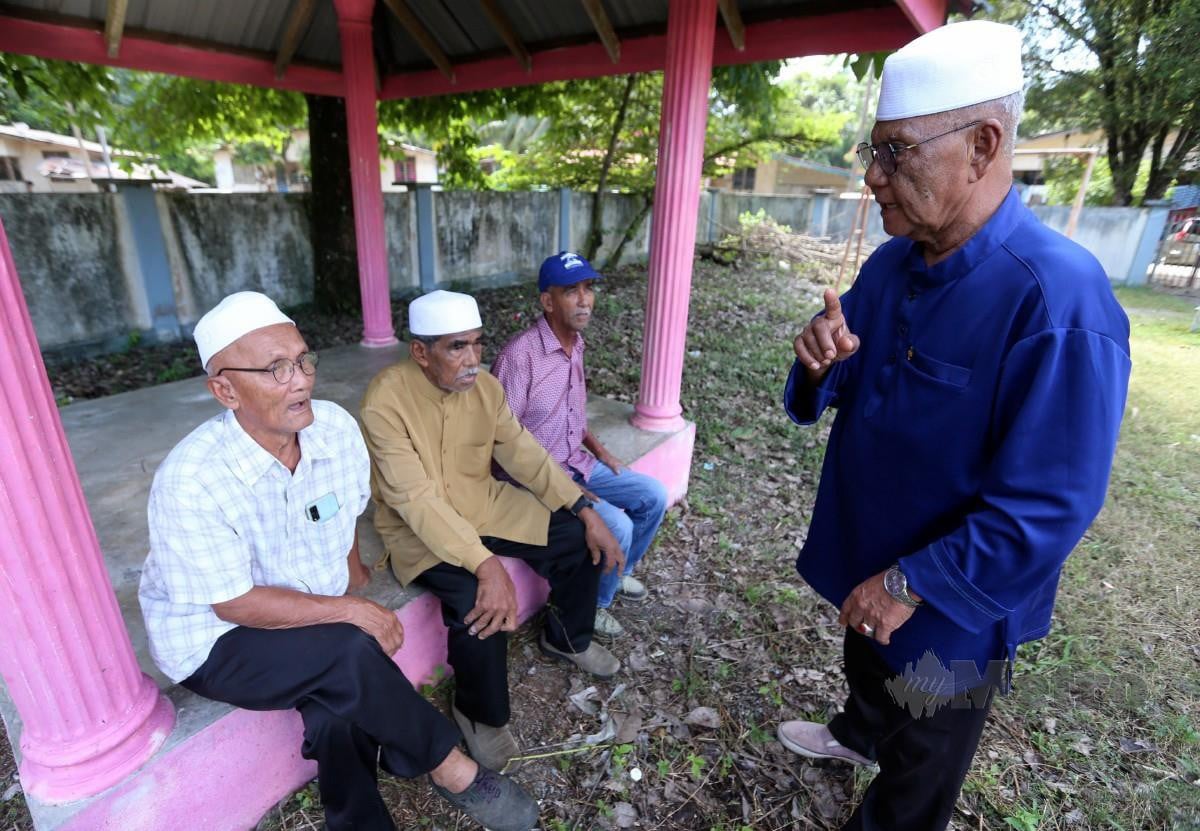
[(886, 151), (283, 369)]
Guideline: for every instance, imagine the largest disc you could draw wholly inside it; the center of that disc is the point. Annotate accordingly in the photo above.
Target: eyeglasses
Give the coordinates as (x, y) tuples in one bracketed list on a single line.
[(885, 152), (283, 369)]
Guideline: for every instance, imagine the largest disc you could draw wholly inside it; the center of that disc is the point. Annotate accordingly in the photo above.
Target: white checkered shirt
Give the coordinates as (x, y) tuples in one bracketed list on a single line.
[(226, 516)]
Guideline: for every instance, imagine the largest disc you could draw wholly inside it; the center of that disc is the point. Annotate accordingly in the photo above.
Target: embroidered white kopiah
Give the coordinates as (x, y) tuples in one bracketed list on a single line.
[(236, 315), (443, 313), (951, 67)]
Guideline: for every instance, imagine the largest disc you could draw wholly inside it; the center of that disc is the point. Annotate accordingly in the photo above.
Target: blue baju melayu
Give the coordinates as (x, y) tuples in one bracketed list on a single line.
[(974, 436)]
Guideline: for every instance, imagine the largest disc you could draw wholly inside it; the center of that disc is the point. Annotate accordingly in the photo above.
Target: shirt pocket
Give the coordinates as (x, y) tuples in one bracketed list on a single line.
[(927, 368), (473, 460)]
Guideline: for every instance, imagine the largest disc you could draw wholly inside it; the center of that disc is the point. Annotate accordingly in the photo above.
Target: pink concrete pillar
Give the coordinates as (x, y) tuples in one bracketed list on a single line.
[(691, 27), (89, 716), (362, 127)]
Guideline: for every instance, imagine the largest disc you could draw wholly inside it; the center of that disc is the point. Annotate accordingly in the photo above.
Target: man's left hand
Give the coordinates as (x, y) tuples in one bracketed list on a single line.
[(601, 542), (871, 604), (612, 463)]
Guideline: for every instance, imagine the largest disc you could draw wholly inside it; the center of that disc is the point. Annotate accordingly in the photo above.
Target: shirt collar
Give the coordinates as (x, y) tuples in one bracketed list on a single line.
[(550, 341), (974, 251), (423, 385), (247, 458), (251, 461)]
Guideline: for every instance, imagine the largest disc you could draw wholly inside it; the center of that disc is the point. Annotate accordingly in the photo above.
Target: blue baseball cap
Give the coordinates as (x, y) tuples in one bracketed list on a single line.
[(565, 269)]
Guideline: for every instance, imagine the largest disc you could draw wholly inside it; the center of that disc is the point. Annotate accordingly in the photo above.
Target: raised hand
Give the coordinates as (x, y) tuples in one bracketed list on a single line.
[(826, 339)]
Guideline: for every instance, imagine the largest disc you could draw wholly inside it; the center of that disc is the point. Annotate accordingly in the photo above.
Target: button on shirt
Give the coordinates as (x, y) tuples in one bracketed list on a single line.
[(974, 436), (226, 516), (548, 394)]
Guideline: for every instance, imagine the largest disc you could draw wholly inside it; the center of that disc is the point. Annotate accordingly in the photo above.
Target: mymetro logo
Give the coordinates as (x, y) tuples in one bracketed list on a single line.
[(927, 686)]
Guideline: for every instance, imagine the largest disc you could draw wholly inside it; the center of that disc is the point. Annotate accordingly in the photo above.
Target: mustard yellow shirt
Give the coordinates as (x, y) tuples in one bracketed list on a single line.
[(431, 471)]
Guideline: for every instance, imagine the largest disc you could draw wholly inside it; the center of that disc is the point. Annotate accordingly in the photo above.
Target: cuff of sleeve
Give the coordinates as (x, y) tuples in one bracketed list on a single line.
[(474, 558), (211, 598), (804, 402), (937, 579)]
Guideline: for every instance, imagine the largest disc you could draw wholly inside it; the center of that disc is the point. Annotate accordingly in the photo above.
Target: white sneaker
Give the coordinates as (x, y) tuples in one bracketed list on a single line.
[(607, 626), (631, 588)]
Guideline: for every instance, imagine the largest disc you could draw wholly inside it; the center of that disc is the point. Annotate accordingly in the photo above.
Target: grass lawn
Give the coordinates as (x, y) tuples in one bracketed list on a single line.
[(1102, 730)]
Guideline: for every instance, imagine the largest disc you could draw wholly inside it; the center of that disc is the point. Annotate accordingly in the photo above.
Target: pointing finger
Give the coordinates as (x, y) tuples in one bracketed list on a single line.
[(833, 307)]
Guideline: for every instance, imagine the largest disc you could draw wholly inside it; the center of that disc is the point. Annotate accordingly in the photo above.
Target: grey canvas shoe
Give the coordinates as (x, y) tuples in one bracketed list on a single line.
[(607, 626), (632, 589), (491, 747), (808, 738), (494, 801), (595, 660)]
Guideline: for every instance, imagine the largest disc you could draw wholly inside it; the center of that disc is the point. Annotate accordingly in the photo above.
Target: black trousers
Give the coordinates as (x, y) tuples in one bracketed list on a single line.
[(481, 666), (923, 757), (356, 704)]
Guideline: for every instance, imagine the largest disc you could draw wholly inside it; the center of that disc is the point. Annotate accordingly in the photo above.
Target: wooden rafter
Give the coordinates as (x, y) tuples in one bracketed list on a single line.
[(299, 19), (733, 23), (603, 27), (508, 34), (114, 25), (413, 25)]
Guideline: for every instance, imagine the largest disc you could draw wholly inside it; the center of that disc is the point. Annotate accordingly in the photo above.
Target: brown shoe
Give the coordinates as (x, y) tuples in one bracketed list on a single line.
[(595, 660), (492, 747)]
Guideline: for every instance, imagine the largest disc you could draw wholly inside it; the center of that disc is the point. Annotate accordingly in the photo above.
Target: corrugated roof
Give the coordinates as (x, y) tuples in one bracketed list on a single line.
[(460, 27)]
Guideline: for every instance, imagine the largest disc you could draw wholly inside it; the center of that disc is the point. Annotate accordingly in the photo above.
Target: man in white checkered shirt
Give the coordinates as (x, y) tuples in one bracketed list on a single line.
[(253, 553)]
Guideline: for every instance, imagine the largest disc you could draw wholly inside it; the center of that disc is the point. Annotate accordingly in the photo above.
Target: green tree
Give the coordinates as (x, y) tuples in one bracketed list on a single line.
[(1128, 67)]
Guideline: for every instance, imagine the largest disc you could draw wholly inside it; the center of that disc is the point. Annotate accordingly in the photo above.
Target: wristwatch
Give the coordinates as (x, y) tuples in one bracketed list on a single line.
[(897, 586), (581, 503)]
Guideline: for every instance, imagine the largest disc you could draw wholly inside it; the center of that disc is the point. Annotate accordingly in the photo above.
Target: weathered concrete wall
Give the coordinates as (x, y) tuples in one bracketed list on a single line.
[(792, 211), (485, 238), (84, 286), (243, 241), (400, 225), (67, 251), (1111, 234), (618, 211)]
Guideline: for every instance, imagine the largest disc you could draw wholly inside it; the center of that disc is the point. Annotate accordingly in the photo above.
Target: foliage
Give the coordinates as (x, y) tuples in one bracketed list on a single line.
[(1126, 66), (53, 95), (1063, 175)]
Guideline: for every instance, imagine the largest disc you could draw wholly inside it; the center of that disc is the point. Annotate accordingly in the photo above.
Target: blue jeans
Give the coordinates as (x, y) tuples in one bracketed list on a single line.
[(632, 506)]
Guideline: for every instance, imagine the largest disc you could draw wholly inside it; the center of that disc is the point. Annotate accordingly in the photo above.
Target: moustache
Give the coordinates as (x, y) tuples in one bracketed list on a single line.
[(468, 373)]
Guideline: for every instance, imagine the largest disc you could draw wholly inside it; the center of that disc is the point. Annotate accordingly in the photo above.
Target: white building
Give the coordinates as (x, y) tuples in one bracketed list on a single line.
[(37, 161)]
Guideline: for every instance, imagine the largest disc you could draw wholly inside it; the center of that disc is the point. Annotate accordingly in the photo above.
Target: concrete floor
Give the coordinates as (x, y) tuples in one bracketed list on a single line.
[(119, 441)]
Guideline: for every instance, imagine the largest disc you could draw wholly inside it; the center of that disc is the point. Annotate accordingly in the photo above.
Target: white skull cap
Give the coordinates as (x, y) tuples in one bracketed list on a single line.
[(236, 315)]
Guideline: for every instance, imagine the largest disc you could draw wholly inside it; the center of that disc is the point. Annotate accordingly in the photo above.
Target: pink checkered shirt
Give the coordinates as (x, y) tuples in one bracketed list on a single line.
[(548, 394)]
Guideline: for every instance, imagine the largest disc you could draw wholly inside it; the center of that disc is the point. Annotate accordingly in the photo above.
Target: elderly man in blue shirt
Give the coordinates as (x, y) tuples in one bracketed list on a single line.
[(979, 367)]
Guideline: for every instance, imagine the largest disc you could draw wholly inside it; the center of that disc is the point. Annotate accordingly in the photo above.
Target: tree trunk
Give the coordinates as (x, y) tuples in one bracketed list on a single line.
[(331, 207), (635, 225), (595, 234)]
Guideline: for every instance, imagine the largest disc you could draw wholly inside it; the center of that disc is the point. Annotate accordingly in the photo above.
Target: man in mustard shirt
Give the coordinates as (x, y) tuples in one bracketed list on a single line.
[(433, 426)]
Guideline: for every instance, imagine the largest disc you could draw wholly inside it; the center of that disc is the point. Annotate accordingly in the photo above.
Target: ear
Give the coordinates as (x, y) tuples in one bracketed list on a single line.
[(985, 150), (222, 390), (418, 351), (547, 301)]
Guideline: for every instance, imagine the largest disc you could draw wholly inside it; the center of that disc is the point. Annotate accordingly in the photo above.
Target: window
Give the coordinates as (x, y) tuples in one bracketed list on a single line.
[(743, 179), (405, 169), (10, 169)]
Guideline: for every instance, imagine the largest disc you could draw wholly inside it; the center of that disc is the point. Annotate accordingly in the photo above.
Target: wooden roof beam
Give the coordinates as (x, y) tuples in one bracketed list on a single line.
[(114, 25), (603, 27), (733, 23), (299, 19), (413, 25), (508, 34)]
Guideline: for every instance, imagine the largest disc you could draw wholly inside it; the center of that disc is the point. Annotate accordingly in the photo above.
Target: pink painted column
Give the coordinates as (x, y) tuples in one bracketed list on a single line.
[(89, 716), (362, 127), (691, 27)]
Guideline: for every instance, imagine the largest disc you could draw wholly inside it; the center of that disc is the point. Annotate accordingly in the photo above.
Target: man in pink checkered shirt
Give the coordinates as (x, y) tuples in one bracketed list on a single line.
[(542, 372)]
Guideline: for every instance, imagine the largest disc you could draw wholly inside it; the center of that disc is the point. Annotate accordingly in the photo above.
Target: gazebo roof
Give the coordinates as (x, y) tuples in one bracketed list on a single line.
[(425, 47)]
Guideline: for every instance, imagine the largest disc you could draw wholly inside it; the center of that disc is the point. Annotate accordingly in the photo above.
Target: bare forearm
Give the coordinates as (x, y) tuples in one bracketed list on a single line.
[(593, 444), (269, 607)]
